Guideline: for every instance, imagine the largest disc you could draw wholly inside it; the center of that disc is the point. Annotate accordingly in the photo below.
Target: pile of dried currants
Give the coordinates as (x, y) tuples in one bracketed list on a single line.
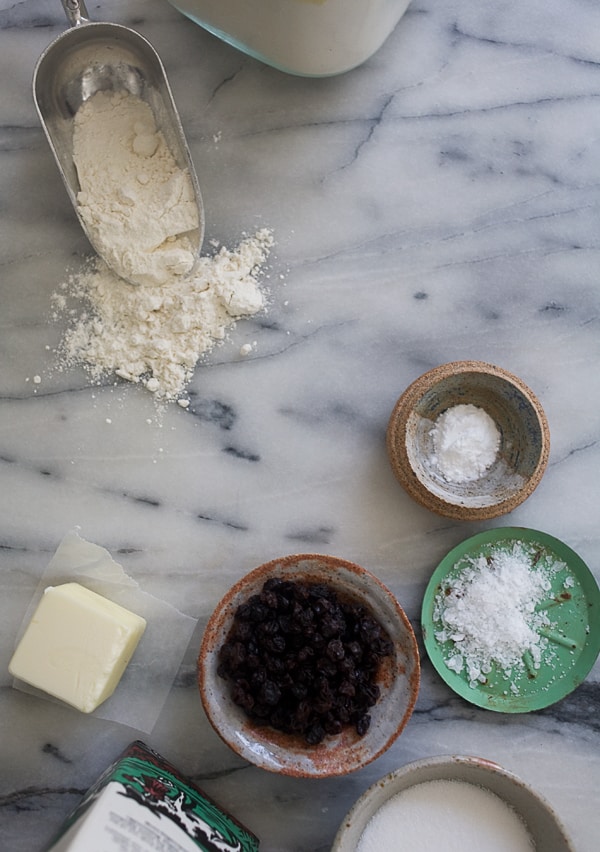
[(304, 661)]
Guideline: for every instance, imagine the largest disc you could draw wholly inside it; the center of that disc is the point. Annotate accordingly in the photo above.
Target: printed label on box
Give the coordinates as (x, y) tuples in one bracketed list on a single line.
[(142, 804)]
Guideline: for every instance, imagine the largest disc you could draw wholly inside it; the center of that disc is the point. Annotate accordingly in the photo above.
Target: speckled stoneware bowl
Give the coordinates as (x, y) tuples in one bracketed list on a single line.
[(398, 677), (544, 826), (524, 440)]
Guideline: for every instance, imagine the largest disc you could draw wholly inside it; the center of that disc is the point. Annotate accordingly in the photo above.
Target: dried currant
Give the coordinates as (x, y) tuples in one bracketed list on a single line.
[(304, 661)]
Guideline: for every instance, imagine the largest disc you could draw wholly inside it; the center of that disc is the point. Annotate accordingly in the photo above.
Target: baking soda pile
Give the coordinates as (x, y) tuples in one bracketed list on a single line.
[(465, 442), (488, 612)]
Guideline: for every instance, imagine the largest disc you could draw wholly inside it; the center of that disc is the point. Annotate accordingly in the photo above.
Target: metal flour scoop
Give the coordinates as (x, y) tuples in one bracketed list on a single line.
[(92, 57)]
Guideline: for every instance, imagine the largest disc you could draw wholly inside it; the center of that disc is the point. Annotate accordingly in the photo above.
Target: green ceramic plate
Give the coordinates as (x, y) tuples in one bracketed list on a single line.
[(572, 606)]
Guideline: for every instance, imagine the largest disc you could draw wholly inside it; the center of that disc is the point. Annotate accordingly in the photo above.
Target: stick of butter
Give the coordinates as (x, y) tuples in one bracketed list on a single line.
[(77, 646)]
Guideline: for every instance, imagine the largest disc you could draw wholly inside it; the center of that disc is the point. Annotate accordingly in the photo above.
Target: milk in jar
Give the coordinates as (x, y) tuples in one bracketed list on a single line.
[(314, 38)]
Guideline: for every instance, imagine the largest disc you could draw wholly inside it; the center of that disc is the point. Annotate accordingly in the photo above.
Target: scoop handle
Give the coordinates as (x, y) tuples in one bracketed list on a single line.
[(76, 12)]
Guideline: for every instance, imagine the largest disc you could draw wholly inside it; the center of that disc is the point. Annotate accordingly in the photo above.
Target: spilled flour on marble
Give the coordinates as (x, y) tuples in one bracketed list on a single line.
[(155, 335)]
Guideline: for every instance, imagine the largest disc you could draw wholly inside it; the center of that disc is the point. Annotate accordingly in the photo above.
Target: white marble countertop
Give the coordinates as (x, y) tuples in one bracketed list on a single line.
[(441, 202)]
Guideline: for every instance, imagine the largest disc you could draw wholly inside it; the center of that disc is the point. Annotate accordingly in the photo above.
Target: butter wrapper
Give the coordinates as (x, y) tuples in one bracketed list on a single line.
[(145, 685)]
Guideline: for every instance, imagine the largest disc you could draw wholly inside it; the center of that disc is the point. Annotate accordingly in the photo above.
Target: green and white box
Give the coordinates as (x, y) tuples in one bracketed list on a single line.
[(143, 803)]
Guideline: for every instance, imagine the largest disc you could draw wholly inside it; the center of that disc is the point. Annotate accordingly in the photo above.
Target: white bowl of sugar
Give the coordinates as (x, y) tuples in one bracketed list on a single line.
[(468, 440), (452, 803)]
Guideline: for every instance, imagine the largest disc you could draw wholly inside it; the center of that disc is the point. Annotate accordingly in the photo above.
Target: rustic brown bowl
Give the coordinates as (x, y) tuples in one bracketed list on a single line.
[(398, 678), (524, 442)]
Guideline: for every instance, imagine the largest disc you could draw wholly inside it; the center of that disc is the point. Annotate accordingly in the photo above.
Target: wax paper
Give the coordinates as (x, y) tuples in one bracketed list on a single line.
[(147, 680)]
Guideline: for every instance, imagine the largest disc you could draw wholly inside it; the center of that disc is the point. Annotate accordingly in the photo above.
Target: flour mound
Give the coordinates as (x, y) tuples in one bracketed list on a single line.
[(155, 335)]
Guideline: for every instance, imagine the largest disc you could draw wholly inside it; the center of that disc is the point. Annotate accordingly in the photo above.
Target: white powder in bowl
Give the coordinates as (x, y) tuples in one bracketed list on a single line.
[(156, 335), (465, 443), (452, 816)]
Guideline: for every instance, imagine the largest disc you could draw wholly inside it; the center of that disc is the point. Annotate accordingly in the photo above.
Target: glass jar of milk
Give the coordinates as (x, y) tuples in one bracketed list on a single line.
[(314, 38)]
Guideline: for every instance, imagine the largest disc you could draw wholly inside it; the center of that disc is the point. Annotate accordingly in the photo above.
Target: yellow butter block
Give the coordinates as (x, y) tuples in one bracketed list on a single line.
[(77, 646)]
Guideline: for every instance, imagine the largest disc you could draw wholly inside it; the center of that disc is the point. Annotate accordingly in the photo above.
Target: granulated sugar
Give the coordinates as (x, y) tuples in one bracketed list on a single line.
[(446, 815), (155, 335), (488, 612)]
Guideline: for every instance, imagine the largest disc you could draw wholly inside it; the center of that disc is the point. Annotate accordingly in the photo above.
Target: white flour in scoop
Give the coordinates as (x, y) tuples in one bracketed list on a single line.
[(156, 335), (138, 205)]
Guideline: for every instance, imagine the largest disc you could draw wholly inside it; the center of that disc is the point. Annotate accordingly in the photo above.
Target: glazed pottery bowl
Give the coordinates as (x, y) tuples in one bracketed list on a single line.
[(536, 815), (397, 674), (522, 454)]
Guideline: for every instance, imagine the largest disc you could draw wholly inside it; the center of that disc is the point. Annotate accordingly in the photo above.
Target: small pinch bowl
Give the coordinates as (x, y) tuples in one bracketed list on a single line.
[(544, 826), (524, 440), (398, 678)]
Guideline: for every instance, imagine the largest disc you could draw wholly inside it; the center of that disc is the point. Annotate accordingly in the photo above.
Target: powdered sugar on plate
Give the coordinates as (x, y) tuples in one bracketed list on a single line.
[(155, 335), (490, 612)]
